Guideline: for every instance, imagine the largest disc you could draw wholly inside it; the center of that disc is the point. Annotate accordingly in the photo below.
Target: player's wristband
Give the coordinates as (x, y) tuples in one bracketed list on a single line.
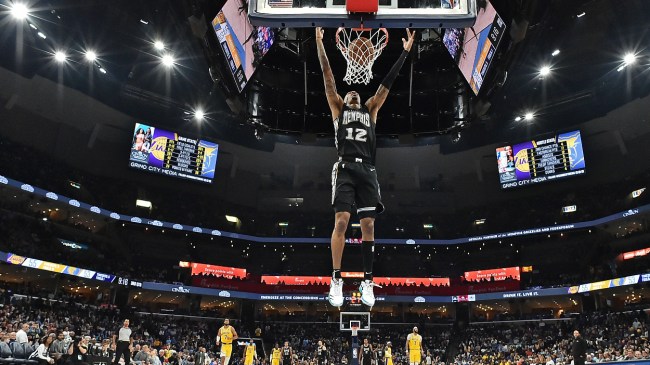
[(387, 82)]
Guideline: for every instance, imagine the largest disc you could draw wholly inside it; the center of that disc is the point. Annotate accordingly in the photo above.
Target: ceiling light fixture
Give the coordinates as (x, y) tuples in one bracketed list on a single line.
[(629, 59), (544, 71), (529, 116), (555, 53), (159, 45), (199, 114), (168, 60), (19, 11), (91, 56), (60, 56)]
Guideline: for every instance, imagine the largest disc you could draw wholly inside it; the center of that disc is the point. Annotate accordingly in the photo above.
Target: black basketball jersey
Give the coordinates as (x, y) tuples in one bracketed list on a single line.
[(286, 351), (367, 354), (321, 352), (355, 134)]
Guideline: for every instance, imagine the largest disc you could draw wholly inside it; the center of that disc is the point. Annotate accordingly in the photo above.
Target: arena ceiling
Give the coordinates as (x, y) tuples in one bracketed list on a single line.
[(581, 43)]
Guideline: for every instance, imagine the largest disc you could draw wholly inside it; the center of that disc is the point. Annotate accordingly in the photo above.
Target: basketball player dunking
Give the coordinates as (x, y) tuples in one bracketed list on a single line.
[(354, 179)]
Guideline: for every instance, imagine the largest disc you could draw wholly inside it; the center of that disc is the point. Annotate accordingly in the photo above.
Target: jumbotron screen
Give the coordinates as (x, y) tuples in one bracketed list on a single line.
[(164, 152), (243, 44), (474, 48), (541, 160)]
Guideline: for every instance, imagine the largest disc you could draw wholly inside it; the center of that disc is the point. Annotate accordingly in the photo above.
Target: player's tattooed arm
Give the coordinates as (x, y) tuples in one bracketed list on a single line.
[(333, 98), (375, 102)]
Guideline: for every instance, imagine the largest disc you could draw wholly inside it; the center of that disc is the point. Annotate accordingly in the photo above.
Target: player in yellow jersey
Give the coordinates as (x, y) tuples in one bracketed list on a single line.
[(414, 347), (276, 355), (388, 353), (250, 353), (225, 337)]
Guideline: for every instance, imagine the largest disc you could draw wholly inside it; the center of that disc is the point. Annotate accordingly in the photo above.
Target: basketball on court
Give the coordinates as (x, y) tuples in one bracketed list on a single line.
[(361, 51)]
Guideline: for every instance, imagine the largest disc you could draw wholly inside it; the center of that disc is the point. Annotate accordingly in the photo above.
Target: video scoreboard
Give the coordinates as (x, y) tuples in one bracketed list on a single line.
[(163, 152), (541, 160)]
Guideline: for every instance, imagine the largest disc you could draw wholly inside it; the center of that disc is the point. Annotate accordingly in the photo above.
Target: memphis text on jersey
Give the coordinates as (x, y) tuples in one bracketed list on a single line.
[(361, 116)]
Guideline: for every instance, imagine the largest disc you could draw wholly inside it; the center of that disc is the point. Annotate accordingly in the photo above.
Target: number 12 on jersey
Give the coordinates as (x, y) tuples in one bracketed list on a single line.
[(356, 134)]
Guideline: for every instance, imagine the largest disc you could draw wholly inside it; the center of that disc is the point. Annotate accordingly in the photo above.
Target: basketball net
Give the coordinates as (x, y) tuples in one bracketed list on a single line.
[(360, 58), (354, 329)]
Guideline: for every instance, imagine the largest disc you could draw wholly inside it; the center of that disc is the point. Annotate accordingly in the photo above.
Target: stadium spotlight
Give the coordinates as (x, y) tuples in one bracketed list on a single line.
[(232, 219), (517, 118), (159, 45), (168, 60), (91, 56), (581, 14), (19, 11), (60, 56), (544, 71), (637, 193), (555, 53), (529, 116), (569, 209), (199, 114), (143, 203), (629, 59)]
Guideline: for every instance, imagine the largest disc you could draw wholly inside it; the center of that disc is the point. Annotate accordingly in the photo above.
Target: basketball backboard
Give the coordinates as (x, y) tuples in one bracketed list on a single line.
[(391, 14), (348, 319)]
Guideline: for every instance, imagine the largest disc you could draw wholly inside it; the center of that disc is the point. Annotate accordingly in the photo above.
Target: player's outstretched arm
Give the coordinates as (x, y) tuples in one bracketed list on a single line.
[(333, 98), (375, 102)]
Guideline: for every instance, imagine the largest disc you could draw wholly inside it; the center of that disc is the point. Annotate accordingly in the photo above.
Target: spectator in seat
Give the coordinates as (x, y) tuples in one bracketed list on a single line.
[(41, 353), (5, 350), (21, 335), (59, 348), (141, 355), (105, 350), (153, 357)]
